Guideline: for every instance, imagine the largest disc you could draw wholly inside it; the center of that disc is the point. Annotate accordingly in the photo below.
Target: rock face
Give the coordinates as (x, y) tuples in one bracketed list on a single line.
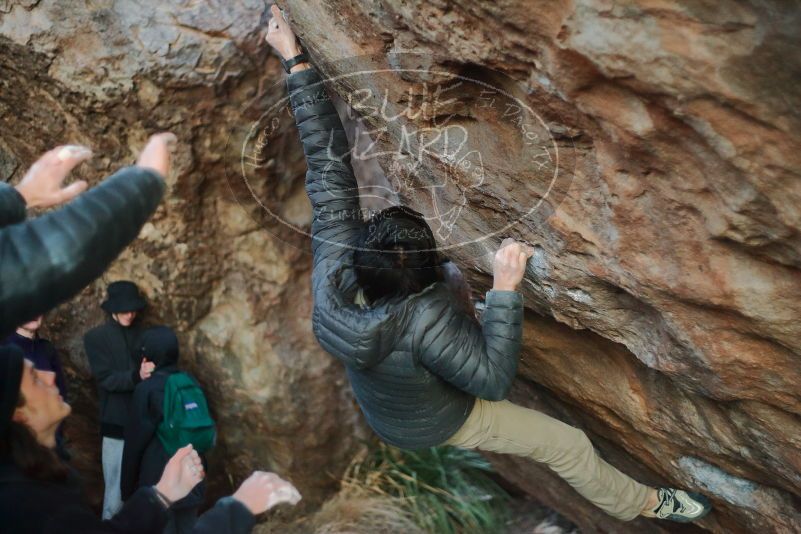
[(649, 151), (235, 287), (663, 167)]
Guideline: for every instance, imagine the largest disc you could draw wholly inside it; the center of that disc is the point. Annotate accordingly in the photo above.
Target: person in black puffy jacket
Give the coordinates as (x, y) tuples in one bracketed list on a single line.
[(424, 371), (47, 260)]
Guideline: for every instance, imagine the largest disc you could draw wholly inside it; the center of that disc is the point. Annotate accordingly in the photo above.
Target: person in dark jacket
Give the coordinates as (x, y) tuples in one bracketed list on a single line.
[(424, 371), (112, 350), (43, 355), (41, 494), (49, 259), (144, 457)]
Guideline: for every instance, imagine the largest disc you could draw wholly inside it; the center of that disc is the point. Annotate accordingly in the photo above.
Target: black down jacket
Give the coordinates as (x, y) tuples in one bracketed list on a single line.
[(416, 365), (49, 259)]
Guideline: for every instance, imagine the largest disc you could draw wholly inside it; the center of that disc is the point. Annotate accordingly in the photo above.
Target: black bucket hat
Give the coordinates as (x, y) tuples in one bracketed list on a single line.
[(123, 296)]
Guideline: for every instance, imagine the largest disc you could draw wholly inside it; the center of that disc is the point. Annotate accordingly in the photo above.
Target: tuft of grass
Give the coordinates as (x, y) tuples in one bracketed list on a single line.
[(361, 513), (446, 490), (353, 510), (442, 490)]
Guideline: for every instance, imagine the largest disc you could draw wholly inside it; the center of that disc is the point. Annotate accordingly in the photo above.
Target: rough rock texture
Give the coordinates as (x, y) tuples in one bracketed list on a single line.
[(649, 149), (108, 74), (663, 298)]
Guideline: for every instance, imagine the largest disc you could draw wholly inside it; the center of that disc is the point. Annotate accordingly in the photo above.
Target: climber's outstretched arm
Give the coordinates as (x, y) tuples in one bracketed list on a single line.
[(330, 182)]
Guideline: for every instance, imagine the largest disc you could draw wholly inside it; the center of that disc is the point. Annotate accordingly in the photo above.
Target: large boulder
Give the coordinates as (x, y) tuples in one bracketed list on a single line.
[(650, 153)]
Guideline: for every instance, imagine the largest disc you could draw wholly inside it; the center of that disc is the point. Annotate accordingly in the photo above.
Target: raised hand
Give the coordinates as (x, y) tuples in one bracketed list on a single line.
[(182, 473), (280, 36), (509, 266), (261, 491), (41, 187), (157, 153)]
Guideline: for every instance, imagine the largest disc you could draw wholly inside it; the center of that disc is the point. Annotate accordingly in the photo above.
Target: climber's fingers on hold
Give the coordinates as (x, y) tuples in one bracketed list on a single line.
[(507, 241), (529, 250), (277, 23)]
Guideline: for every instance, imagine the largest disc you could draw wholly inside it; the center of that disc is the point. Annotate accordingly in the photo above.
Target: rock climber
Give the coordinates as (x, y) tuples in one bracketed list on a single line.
[(424, 372)]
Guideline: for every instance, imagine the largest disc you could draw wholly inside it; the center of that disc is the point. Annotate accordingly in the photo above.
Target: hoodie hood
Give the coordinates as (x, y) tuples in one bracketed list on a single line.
[(359, 337), (160, 346)]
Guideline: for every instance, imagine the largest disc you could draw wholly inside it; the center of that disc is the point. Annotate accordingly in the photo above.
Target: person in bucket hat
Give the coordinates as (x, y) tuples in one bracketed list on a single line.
[(113, 359)]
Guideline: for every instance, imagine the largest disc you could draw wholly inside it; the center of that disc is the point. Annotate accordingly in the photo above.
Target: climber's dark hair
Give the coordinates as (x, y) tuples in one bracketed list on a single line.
[(396, 255)]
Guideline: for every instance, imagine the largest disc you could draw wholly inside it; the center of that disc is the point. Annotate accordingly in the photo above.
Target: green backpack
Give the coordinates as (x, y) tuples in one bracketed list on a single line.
[(186, 416)]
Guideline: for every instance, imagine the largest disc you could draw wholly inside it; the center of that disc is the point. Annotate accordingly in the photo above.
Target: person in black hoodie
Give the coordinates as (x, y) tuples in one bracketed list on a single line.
[(112, 349), (144, 456)]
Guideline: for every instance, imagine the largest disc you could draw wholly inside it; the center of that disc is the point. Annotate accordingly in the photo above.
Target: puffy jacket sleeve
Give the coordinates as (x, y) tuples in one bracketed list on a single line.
[(478, 359), (228, 516), (12, 205), (49, 259), (330, 182), (100, 363)]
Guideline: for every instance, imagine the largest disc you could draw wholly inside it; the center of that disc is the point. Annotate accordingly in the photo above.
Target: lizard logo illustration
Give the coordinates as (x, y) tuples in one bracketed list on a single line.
[(433, 138), (445, 148)]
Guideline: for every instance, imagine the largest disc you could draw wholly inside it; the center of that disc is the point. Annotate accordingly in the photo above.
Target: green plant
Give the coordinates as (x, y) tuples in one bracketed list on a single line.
[(445, 489)]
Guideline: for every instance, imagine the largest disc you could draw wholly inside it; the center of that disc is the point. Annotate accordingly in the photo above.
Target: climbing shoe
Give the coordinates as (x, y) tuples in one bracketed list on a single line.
[(681, 506)]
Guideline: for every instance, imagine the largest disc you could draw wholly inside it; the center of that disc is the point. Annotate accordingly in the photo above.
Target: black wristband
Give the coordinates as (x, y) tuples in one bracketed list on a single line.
[(162, 498), (291, 62)]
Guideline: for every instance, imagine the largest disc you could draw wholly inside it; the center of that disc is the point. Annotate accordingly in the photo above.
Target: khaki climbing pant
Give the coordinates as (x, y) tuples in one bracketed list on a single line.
[(506, 428)]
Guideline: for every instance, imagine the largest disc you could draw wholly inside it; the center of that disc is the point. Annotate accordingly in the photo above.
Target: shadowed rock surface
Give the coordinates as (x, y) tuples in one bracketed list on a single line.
[(648, 149)]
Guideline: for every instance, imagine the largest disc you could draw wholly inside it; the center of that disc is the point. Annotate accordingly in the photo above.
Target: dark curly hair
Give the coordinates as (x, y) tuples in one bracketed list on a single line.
[(397, 254)]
